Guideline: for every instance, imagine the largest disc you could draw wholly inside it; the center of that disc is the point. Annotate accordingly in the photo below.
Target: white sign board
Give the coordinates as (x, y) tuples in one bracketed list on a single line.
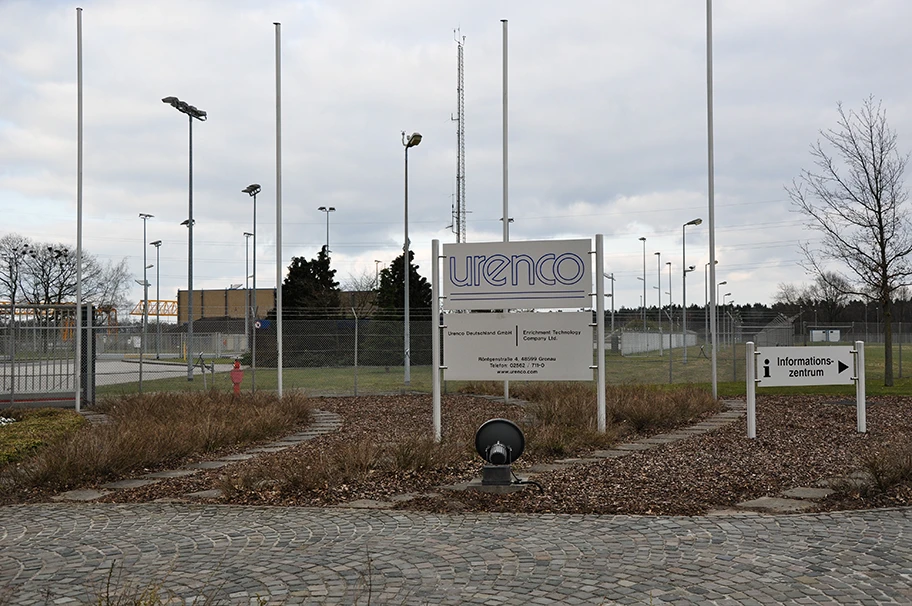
[(784, 366), (517, 275), (520, 346)]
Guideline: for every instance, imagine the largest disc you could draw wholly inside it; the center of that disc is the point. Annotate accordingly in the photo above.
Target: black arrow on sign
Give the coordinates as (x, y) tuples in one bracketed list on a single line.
[(841, 366)]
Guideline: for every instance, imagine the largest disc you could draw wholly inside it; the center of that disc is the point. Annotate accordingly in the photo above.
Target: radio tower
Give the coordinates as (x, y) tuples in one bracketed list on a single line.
[(459, 207)]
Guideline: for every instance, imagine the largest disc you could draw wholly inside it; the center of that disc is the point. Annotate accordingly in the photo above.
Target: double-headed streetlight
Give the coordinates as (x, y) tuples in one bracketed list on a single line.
[(327, 210), (659, 291), (145, 317), (611, 277), (726, 295), (687, 269), (247, 236), (157, 244), (706, 335), (192, 113), (407, 142), (715, 320), (643, 240), (252, 190)]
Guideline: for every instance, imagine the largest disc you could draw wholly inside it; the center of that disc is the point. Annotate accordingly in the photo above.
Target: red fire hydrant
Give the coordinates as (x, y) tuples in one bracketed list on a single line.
[(237, 375)]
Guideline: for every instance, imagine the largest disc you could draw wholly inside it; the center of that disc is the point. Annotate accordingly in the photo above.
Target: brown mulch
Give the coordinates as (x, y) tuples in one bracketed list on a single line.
[(801, 440)]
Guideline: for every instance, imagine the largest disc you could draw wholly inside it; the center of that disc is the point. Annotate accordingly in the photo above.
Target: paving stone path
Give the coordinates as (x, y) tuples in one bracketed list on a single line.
[(61, 553)]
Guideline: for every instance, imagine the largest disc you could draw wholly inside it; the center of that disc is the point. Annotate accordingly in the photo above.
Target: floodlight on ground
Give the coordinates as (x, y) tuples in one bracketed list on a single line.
[(499, 442)]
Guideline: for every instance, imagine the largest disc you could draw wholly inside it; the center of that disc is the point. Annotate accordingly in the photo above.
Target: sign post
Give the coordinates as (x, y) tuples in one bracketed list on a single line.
[(794, 366), (525, 345)]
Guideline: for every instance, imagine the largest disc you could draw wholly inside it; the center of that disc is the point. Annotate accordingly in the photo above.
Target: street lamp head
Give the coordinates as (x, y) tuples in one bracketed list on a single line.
[(156, 244), (188, 222), (722, 282), (252, 189), (185, 108), (145, 216), (412, 140), (696, 221), (643, 239), (247, 234), (658, 253)]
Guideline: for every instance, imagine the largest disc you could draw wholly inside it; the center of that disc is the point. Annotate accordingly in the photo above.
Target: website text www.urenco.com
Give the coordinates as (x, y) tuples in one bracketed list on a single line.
[(517, 365)]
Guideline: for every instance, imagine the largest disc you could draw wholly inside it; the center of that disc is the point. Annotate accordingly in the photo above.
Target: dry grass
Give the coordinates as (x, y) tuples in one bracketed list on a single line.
[(889, 468), (149, 431), (565, 414)]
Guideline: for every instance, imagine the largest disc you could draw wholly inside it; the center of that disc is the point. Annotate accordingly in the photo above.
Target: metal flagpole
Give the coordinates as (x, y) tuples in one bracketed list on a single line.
[(278, 78), (78, 209)]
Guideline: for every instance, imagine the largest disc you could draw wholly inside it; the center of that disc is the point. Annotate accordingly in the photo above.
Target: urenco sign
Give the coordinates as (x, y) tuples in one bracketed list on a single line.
[(510, 275)]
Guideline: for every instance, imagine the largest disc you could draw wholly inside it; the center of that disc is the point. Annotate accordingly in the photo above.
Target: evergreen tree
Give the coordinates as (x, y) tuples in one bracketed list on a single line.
[(391, 295), (310, 285)]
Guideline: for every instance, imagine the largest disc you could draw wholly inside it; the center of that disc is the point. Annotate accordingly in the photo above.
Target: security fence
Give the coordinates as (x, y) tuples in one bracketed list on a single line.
[(351, 353)]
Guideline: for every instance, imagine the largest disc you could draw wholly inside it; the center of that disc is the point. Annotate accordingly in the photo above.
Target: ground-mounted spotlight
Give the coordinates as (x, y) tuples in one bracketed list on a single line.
[(499, 442)]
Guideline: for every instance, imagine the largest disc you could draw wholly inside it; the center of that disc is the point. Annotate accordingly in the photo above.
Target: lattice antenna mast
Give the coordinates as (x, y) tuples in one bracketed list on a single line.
[(459, 208)]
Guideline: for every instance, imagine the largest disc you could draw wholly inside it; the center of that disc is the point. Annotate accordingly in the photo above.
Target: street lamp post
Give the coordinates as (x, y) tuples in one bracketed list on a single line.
[(252, 190), (670, 328), (247, 236), (724, 327), (327, 210), (157, 244), (145, 316), (192, 113), (716, 316), (376, 274), (684, 273), (411, 141), (611, 277), (643, 240), (706, 304), (659, 287)]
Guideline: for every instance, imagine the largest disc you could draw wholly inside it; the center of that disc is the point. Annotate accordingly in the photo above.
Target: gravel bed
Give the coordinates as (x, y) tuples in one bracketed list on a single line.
[(801, 440)]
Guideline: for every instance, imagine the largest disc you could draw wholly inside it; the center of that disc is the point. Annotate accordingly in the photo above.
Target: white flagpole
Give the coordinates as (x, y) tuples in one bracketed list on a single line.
[(78, 209), (278, 77)]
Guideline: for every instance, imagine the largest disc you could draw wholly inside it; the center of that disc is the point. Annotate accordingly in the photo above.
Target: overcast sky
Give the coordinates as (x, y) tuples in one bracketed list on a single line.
[(607, 127)]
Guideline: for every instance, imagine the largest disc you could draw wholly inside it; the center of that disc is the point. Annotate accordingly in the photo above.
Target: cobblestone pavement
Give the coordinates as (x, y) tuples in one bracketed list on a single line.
[(61, 553)]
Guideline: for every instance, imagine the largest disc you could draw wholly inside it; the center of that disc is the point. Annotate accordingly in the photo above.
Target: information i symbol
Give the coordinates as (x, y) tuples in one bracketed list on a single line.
[(766, 369)]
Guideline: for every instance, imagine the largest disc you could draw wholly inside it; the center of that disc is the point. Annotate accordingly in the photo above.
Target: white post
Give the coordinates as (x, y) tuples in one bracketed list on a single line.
[(861, 413), (278, 79), (78, 212), (435, 334), (600, 328), (711, 196), (506, 206), (751, 380)]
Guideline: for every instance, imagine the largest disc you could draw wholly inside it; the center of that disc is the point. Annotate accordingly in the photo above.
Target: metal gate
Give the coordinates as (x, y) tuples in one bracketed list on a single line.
[(38, 355)]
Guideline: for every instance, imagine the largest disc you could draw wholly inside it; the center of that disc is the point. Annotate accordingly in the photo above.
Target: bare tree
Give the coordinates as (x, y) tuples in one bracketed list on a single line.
[(42, 273), (13, 250), (361, 291), (856, 199)]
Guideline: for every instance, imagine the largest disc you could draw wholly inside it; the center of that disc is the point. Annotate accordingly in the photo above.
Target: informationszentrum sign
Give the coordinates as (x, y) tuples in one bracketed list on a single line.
[(823, 365)]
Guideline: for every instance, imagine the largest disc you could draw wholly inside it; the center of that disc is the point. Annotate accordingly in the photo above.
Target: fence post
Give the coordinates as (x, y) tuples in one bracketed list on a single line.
[(354, 313)]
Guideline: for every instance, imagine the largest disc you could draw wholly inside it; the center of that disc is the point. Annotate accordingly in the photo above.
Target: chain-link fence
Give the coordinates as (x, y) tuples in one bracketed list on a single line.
[(351, 352)]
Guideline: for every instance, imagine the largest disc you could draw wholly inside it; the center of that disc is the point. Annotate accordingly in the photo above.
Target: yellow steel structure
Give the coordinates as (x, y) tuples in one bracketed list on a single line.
[(156, 308)]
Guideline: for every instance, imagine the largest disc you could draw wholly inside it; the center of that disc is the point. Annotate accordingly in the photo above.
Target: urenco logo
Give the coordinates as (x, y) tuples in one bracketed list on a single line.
[(511, 275)]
